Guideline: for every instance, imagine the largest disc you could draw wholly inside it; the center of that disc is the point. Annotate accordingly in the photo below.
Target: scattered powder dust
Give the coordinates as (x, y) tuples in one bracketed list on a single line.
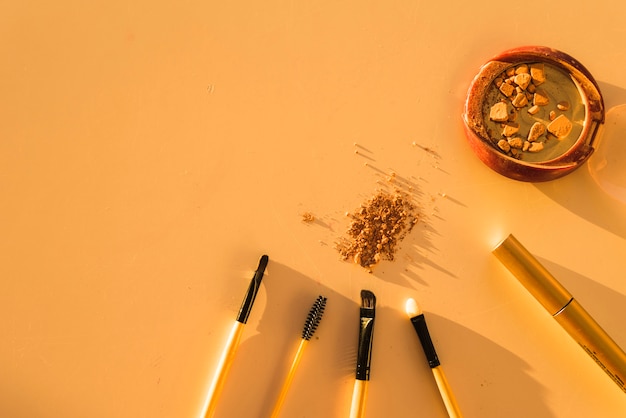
[(308, 217), (377, 228)]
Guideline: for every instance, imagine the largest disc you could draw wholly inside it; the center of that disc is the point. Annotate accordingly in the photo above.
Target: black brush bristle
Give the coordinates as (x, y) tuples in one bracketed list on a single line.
[(368, 299), (314, 318)]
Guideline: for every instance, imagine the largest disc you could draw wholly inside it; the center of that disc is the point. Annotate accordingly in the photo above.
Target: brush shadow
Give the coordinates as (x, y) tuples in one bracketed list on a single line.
[(263, 359), (579, 193), (480, 371), (487, 380)]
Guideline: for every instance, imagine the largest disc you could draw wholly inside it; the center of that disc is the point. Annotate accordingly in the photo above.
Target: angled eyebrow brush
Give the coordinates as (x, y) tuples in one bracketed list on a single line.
[(364, 354), (233, 339), (310, 325)]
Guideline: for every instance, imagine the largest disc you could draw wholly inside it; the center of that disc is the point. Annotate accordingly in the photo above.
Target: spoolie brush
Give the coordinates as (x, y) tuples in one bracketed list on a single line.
[(310, 325)]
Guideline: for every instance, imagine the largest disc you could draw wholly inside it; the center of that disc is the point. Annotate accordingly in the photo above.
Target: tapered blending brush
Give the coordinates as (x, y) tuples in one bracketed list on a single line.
[(364, 353), (233, 339), (310, 325), (419, 323)]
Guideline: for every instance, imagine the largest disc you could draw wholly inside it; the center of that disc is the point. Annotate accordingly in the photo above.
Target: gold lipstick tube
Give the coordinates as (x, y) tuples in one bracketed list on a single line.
[(564, 308)]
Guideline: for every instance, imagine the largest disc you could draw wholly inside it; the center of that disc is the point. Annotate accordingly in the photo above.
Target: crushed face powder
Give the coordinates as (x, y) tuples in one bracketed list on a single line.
[(377, 227), (308, 217)]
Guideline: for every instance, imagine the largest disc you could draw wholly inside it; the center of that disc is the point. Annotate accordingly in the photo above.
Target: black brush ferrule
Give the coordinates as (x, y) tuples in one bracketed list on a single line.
[(419, 323), (366, 337)]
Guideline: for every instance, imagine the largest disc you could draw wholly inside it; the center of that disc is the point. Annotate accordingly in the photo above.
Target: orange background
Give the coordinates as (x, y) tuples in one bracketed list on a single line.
[(151, 152)]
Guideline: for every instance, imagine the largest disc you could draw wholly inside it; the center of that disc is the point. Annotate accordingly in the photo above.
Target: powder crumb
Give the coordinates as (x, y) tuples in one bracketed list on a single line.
[(308, 217), (377, 228)]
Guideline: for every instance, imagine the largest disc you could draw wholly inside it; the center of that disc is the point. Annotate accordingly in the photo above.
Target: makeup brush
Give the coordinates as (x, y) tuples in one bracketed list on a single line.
[(233, 339), (419, 323), (364, 354), (310, 325)]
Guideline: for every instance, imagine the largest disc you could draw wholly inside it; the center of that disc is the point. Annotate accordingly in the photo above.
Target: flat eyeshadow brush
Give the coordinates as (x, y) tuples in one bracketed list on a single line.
[(364, 354), (233, 339), (310, 325)]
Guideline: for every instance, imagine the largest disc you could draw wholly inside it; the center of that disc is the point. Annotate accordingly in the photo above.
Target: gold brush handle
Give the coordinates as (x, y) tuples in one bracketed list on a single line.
[(357, 410), (292, 371), (222, 368), (446, 393)]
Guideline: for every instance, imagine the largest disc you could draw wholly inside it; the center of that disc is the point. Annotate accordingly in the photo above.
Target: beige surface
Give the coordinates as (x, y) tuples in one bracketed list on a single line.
[(151, 152)]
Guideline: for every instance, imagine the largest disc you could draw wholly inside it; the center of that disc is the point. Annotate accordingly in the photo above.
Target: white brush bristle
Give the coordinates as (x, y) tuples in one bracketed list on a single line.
[(412, 308)]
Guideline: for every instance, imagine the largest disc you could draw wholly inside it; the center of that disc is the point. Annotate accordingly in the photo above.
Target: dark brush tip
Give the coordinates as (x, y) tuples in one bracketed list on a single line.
[(262, 263), (368, 299), (314, 317)]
